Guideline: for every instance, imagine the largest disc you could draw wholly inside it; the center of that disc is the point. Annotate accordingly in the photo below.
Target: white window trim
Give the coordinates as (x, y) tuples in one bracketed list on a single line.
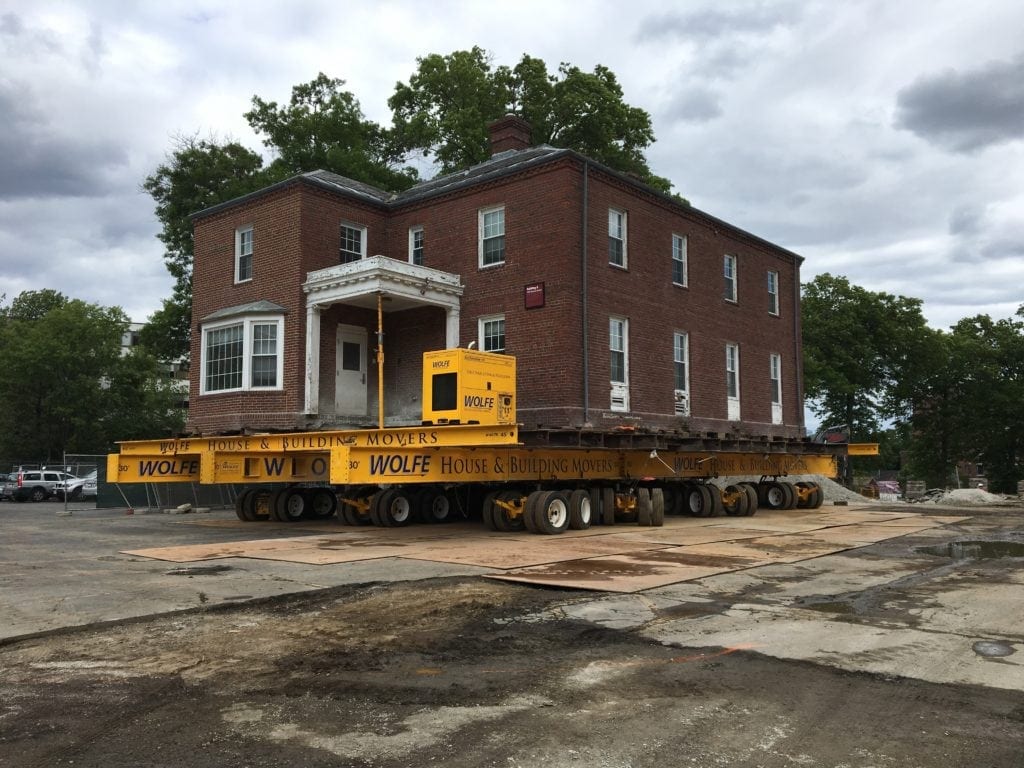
[(480, 332), (362, 239), (775, 293), (247, 322), (625, 236), (684, 393), (735, 277), (735, 371), (684, 261), (619, 388), (775, 374), (412, 242), (480, 236), (239, 254)]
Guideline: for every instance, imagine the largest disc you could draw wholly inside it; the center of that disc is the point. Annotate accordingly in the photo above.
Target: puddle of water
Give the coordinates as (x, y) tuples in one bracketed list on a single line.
[(976, 550), (992, 648)]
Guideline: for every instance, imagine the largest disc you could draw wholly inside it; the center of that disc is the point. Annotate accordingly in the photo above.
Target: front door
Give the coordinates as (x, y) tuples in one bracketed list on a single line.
[(350, 373)]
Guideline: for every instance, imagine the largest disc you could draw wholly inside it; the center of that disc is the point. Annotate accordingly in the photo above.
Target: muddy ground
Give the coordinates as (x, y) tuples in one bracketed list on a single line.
[(468, 672)]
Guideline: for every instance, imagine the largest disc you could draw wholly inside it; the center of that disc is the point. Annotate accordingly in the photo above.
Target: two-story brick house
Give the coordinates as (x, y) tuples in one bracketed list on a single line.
[(623, 306)]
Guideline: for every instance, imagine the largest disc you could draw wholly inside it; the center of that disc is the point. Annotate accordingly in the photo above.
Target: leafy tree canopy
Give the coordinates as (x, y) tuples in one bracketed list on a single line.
[(323, 128), (444, 109), (862, 352), (62, 364)]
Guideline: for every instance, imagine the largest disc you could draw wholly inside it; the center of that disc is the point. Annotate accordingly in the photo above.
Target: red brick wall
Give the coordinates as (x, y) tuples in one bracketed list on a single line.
[(297, 230)]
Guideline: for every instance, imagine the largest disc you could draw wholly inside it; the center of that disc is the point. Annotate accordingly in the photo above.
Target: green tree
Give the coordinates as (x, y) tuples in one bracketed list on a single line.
[(323, 128), (863, 353), (972, 403), (199, 173), (444, 110), (60, 367)]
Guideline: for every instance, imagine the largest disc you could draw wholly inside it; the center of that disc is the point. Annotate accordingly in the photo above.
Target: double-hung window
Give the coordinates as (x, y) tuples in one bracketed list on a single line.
[(492, 236), (732, 381), (730, 277), (679, 259), (681, 364), (617, 237), (492, 333), (775, 378), (353, 243), (618, 349), (243, 354), (243, 254), (416, 245), (773, 293)]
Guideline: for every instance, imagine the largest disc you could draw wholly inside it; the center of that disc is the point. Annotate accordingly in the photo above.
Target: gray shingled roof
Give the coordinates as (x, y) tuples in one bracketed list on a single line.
[(262, 307)]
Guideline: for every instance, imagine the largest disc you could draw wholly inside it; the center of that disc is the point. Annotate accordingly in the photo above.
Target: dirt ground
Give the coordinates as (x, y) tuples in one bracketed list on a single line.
[(468, 672)]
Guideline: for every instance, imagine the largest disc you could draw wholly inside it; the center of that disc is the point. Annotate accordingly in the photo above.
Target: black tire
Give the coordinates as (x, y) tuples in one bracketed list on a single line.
[(595, 505), (657, 507), (38, 494), (740, 503), (487, 511), (436, 506), (375, 509), (607, 506), (290, 505), (241, 500), (644, 508), (580, 510), (395, 508), (751, 490), (322, 503), (505, 519), (774, 495), (698, 501), (530, 510), (791, 495), (818, 497), (552, 513)]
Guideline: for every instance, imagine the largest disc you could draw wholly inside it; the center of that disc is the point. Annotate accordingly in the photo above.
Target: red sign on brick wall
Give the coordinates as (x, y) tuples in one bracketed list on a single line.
[(533, 295)]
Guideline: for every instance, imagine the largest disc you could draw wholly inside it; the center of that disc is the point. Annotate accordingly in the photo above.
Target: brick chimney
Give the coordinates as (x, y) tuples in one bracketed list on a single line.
[(509, 132)]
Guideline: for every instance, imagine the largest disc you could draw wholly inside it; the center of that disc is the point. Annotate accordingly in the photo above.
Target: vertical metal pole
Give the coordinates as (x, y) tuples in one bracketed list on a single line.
[(380, 360)]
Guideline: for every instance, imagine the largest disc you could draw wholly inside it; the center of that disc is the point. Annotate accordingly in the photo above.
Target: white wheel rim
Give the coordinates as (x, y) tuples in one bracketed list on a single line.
[(557, 513), (399, 509)]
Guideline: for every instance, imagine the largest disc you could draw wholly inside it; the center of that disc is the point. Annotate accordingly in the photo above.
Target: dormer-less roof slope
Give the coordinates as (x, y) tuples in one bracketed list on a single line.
[(502, 164)]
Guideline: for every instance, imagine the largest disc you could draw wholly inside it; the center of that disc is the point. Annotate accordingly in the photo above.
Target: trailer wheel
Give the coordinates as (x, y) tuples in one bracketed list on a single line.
[(530, 510), (394, 508), (503, 519), (644, 508), (657, 507), (351, 514), (751, 489), (595, 505), (607, 506), (243, 505), (580, 510), (817, 497), (436, 507), (552, 513), (288, 505), (776, 495), (323, 503), (698, 500), (261, 506), (487, 511), (740, 502)]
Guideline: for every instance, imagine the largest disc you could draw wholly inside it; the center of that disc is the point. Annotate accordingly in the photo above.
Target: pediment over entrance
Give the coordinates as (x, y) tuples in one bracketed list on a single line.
[(360, 282)]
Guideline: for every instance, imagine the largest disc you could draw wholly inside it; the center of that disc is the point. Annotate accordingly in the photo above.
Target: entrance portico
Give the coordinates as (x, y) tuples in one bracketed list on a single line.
[(402, 285)]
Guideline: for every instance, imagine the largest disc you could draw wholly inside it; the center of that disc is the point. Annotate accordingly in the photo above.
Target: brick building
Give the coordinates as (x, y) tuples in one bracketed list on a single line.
[(623, 305)]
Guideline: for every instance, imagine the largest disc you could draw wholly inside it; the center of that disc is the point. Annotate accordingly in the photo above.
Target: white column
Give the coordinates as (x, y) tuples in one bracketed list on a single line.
[(312, 401), (451, 327)]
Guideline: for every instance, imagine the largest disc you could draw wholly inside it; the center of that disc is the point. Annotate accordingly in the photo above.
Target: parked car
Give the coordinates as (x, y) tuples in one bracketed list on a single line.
[(39, 484), (8, 485), (75, 488)]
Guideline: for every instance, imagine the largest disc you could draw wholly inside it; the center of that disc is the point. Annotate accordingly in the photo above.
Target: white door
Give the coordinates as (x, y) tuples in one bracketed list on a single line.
[(350, 371)]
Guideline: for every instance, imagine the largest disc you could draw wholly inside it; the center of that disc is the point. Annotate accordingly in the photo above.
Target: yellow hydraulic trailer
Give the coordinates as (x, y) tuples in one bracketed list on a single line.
[(468, 456)]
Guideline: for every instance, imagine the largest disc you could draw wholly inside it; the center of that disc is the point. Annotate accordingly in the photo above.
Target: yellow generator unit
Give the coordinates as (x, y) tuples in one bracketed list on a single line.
[(464, 386)]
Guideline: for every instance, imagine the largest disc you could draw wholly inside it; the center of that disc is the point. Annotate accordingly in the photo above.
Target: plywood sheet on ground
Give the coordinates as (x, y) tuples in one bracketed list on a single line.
[(530, 550), (625, 573)]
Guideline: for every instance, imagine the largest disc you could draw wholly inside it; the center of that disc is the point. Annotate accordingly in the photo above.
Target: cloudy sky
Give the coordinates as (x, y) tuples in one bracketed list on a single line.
[(882, 140)]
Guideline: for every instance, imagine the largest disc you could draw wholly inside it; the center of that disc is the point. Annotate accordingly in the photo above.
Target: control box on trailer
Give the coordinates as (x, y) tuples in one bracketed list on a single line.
[(465, 386)]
